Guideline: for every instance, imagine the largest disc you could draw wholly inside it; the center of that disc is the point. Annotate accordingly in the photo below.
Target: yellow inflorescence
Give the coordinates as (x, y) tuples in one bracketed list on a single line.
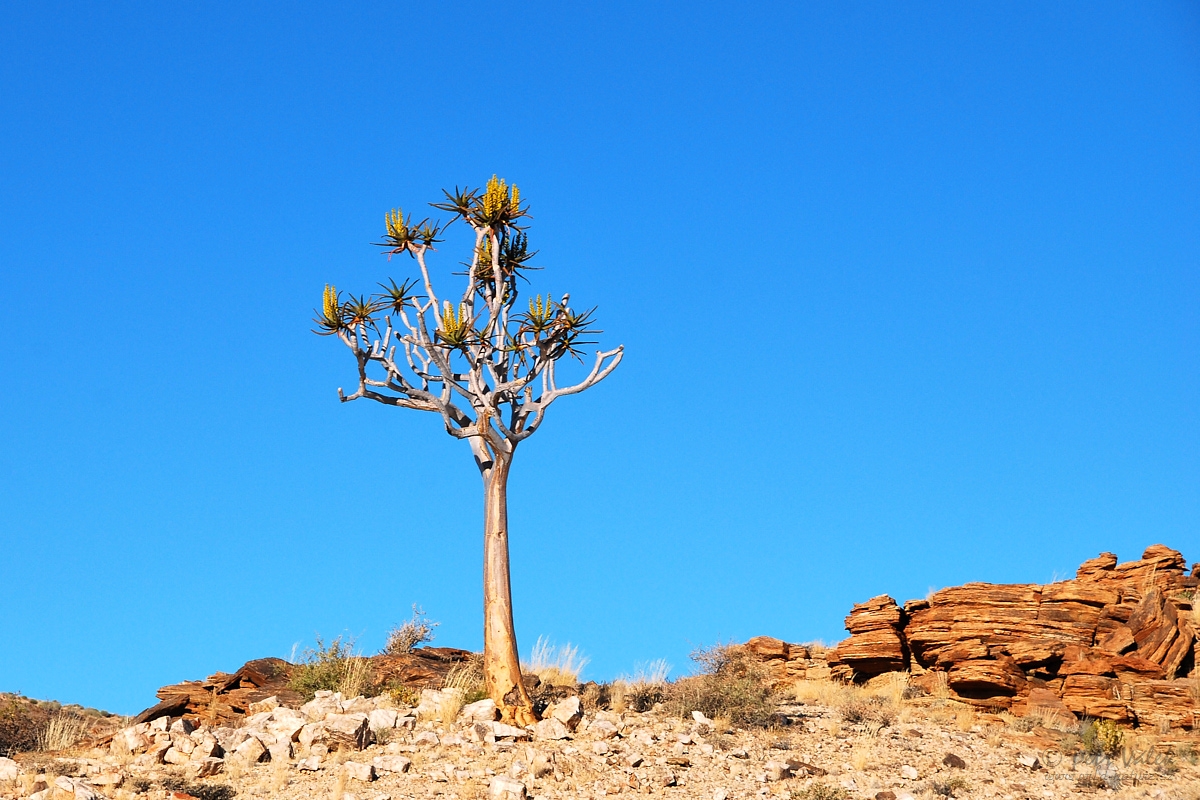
[(540, 312), (494, 197), (330, 304), (499, 195), (484, 252), (454, 321), (396, 227)]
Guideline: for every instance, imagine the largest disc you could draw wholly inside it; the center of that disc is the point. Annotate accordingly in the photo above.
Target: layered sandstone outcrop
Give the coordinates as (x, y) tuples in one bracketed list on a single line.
[(1117, 642)]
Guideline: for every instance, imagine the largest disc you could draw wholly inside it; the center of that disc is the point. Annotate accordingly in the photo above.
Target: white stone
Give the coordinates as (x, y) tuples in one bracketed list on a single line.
[(312, 732), (287, 728), (600, 748), (603, 729), (281, 751), (720, 794), (251, 751), (173, 756), (568, 711), (908, 772), (310, 764), (8, 769), (701, 719), (1030, 762), (182, 726), (503, 731), (426, 738), (78, 788), (382, 718), (551, 729), (391, 763), (350, 730), (205, 767), (777, 771), (360, 772), (505, 788), (266, 704), (483, 711), (359, 705), (183, 743), (320, 707)]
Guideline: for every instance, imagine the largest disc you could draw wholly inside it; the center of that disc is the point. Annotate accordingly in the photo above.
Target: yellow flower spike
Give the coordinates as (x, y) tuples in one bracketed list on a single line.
[(494, 197), (515, 202), (331, 303), (395, 224)]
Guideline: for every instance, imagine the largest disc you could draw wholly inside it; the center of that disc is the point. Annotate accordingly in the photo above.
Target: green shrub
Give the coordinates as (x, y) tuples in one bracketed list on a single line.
[(730, 684), (202, 791), (334, 667), (950, 787), (1101, 738), (820, 791)]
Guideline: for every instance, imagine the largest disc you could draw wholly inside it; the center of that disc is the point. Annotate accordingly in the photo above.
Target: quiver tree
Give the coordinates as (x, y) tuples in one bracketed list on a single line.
[(482, 361)]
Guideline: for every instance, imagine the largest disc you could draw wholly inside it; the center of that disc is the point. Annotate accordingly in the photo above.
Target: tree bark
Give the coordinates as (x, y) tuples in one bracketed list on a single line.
[(501, 665)]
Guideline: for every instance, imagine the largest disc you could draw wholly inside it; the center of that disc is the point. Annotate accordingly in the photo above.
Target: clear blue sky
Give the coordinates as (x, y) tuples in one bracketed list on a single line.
[(910, 297)]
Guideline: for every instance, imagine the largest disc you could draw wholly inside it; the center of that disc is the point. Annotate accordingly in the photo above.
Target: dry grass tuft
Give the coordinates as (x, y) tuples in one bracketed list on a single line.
[(63, 730), (964, 718), (451, 705), (557, 666), (468, 677), (643, 690)]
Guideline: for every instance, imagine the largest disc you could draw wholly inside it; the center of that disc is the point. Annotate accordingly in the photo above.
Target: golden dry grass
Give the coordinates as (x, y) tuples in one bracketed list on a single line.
[(63, 730), (558, 666)]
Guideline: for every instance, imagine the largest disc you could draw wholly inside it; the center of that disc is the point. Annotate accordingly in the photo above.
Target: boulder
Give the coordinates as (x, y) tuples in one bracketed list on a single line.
[(395, 764), (482, 711), (505, 788), (352, 731), (568, 711), (359, 771), (550, 729)]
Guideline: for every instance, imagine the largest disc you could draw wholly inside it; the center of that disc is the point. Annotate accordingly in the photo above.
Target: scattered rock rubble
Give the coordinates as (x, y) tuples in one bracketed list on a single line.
[(371, 749)]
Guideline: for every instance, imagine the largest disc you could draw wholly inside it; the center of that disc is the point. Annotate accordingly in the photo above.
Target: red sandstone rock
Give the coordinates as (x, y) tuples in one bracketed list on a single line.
[(1107, 644)]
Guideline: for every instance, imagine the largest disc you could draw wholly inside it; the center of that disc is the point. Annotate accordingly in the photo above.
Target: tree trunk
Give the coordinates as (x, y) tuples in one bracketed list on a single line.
[(501, 665)]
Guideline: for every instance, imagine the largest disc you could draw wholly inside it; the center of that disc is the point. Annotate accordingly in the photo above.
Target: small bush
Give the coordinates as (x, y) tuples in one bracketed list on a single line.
[(1091, 782), (1101, 738), (820, 791), (950, 787), (19, 728), (406, 636), (202, 791), (730, 684), (334, 667), (866, 711)]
